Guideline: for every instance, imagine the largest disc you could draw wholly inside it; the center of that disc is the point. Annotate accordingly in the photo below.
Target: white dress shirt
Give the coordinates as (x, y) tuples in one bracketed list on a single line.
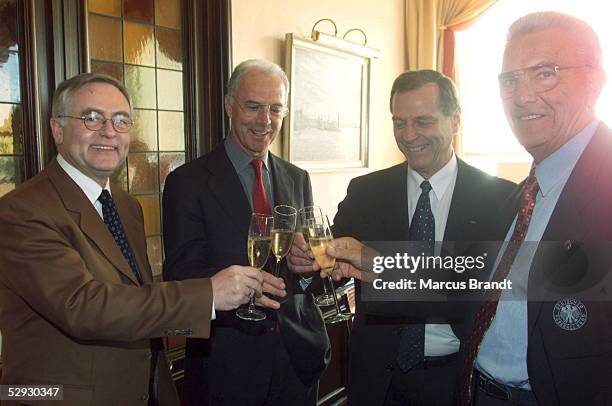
[(439, 338)]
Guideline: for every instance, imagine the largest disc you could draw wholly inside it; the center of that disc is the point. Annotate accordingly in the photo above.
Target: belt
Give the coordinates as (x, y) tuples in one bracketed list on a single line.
[(434, 362), (502, 392)]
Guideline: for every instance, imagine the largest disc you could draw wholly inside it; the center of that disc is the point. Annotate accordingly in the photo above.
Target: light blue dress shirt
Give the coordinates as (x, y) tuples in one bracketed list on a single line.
[(503, 351)]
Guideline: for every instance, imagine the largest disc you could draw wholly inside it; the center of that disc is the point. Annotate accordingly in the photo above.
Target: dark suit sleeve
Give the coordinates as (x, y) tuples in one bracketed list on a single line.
[(346, 214), (308, 200), (49, 270), (185, 237)]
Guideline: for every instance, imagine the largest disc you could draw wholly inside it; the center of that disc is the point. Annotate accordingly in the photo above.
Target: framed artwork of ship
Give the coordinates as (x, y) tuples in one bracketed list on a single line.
[(329, 99)]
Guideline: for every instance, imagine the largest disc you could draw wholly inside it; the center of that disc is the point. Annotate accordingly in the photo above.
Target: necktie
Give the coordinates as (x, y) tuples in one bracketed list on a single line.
[(260, 200), (422, 228), (486, 310), (113, 223)]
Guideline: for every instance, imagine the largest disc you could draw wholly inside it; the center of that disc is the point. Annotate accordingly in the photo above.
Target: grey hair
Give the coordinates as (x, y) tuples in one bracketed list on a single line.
[(415, 79), (259, 65), (64, 92), (581, 32)]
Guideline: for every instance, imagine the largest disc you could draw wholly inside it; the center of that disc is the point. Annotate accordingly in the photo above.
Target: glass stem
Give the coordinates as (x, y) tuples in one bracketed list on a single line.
[(252, 304), (325, 290), (331, 282)]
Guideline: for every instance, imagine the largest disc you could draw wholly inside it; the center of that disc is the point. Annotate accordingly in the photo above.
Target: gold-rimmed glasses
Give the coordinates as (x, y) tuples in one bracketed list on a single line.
[(95, 120), (540, 78), (252, 109)]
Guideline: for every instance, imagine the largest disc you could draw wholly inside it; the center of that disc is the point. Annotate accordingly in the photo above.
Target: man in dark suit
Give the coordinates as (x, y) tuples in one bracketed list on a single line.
[(380, 206), (551, 345), (78, 306), (207, 208)]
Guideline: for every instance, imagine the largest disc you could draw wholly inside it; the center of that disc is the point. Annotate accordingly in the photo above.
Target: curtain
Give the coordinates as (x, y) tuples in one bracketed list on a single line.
[(430, 35), (430, 27)]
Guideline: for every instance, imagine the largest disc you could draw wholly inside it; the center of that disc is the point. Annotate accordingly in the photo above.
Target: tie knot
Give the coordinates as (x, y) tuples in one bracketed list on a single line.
[(257, 164), (105, 197), (426, 186)]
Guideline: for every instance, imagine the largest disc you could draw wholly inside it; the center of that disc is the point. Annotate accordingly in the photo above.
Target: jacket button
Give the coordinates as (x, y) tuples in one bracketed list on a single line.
[(148, 355), (389, 367), (567, 245), (145, 397)]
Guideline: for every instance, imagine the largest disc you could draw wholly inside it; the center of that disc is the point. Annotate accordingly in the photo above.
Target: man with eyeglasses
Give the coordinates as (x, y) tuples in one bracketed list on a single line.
[(79, 307), (207, 208), (552, 343)]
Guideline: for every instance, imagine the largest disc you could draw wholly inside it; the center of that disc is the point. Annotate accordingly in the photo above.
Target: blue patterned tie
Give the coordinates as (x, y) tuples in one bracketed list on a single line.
[(113, 222), (422, 228)]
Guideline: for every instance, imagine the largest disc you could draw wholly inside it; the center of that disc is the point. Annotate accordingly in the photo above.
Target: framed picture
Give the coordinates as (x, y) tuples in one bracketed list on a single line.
[(327, 126)]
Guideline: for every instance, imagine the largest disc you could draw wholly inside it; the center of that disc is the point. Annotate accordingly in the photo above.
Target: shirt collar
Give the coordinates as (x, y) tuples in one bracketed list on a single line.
[(90, 187), (557, 166), (440, 181), (239, 158)]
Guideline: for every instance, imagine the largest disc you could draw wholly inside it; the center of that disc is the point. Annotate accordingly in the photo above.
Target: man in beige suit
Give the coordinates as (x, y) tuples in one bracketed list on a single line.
[(78, 306)]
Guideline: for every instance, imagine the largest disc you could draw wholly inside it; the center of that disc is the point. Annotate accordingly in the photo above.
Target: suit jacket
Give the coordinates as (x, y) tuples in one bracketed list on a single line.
[(71, 310), (571, 364), (376, 209), (206, 221)]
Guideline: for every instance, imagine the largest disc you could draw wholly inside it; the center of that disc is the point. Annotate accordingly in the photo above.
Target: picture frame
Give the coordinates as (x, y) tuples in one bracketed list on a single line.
[(329, 103)]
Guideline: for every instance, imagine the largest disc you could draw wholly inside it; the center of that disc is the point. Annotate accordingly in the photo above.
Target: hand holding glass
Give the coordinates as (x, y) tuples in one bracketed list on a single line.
[(306, 214), (258, 250), (320, 237)]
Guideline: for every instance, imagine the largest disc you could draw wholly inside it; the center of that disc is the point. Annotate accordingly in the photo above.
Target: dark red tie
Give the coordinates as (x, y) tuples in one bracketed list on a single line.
[(260, 200), (486, 311)]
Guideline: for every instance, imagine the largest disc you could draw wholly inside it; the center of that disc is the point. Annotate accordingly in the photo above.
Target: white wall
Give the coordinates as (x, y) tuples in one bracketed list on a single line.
[(258, 31)]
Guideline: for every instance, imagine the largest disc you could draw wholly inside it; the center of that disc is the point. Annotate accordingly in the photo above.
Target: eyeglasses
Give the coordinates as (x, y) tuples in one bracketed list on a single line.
[(252, 109), (94, 121), (539, 78)]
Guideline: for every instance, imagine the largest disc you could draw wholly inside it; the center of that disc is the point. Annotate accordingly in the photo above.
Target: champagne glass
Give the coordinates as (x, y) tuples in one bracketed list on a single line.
[(308, 213), (320, 237), (258, 250), (285, 219)]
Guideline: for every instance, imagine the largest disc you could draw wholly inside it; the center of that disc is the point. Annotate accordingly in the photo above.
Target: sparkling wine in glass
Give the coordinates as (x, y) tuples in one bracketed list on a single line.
[(320, 237), (306, 214), (258, 249), (285, 219)]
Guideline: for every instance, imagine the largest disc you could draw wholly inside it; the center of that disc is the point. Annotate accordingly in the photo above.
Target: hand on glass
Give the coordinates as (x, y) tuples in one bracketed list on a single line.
[(234, 286), (301, 259), (352, 259), (274, 286), (258, 250)]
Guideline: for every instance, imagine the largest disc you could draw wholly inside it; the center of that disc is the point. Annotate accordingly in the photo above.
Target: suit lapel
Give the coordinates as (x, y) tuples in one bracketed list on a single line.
[(133, 230), (396, 201), (282, 183), (225, 186), (461, 223), (566, 221), (88, 218)]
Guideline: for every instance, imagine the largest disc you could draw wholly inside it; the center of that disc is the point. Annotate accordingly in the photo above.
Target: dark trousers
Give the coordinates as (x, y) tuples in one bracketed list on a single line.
[(423, 386), (208, 383)]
